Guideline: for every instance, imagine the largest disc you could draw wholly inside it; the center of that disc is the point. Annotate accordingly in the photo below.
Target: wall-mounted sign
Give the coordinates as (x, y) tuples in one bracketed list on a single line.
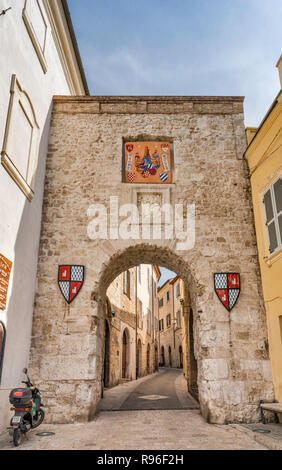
[(148, 162), (227, 288), (5, 271), (71, 279)]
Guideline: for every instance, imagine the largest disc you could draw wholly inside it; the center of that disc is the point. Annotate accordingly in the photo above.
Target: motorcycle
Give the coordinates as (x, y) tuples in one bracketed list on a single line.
[(28, 410)]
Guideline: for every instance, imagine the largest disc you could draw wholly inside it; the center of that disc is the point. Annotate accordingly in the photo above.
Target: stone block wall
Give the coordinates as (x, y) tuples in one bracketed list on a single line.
[(84, 167)]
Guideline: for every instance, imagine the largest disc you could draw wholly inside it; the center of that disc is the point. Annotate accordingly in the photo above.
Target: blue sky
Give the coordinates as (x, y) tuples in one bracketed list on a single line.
[(182, 47)]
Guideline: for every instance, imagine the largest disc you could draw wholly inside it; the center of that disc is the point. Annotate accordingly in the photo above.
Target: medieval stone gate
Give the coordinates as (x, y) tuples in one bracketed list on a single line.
[(84, 169)]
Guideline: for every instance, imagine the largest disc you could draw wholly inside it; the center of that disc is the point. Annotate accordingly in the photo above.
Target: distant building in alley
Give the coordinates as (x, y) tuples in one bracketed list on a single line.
[(131, 339), (170, 323)]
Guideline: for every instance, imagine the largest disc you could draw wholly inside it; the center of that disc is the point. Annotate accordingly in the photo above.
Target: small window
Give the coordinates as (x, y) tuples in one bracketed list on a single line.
[(273, 211), (161, 324), (149, 322), (178, 290), (178, 319), (156, 324), (36, 26), (167, 296), (139, 314), (2, 346), (161, 302), (127, 284)]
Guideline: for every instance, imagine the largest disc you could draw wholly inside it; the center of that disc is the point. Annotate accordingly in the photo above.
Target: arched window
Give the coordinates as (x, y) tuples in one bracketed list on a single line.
[(162, 356), (125, 354), (2, 345)]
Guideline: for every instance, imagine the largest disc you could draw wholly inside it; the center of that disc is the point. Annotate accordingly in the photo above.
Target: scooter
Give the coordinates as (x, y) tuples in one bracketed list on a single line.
[(28, 410)]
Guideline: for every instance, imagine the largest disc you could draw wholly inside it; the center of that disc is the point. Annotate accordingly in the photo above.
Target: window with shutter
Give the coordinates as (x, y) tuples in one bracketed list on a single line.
[(273, 210), (178, 319), (125, 282), (178, 290), (130, 285)]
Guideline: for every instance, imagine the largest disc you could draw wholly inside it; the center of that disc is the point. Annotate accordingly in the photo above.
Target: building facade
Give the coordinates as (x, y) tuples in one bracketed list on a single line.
[(205, 135), (264, 157), (39, 59), (147, 319), (170, 323)]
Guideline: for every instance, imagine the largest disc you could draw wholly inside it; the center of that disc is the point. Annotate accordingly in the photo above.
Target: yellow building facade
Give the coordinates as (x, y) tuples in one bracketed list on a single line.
[(264, 157)]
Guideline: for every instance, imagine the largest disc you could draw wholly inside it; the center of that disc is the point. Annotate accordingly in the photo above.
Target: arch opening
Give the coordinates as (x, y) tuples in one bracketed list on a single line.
[(143, 354)]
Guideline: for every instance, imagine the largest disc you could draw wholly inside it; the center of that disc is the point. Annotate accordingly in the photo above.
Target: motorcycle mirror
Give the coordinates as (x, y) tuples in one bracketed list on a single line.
[(25, 370)]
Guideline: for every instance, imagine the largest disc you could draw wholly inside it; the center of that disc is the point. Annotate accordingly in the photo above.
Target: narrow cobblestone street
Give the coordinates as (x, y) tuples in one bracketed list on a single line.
[(131, 418)]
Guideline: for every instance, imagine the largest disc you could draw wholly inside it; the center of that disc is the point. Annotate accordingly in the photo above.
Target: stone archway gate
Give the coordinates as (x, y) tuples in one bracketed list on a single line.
[(84, 167)]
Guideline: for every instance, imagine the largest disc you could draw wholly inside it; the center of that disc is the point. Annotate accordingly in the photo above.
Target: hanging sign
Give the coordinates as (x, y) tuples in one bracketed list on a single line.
[(5, 271), (227, 288), (71, 279)]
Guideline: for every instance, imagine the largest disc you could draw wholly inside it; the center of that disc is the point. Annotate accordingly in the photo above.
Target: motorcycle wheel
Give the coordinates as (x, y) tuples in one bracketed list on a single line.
[(17, 437), (41, 416)]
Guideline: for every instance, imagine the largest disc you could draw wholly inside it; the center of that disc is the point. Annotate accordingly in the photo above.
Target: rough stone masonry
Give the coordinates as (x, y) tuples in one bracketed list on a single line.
[(84, 167)]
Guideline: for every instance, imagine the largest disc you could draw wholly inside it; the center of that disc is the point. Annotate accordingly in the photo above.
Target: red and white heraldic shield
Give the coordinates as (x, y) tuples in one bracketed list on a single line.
[(227, 288), (71, 279)]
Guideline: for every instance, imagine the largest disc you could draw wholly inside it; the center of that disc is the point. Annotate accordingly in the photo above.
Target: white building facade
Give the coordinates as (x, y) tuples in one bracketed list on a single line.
[(39, 59), (147, 319)]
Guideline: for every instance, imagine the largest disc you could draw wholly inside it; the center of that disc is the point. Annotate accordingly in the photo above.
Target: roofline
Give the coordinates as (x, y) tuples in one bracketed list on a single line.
[(169, 281), (75, 45), (118, 98), (275, 102), (174, 280)]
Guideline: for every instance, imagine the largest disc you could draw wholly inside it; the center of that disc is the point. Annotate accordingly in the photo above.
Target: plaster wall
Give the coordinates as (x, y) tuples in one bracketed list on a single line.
[(20, 219)]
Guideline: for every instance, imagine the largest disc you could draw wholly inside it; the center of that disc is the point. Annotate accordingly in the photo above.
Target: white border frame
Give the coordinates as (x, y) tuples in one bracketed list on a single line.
[(24, 182), (34, 39)]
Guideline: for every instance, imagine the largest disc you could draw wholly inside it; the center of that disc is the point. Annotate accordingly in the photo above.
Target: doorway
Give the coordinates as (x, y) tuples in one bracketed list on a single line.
[(124, 354), (139, 359), (148, 358)]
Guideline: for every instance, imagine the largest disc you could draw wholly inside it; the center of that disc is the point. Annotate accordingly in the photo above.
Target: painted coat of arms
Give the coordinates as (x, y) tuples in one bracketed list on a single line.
[(148, 162), (71, 279), (227, 288)]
